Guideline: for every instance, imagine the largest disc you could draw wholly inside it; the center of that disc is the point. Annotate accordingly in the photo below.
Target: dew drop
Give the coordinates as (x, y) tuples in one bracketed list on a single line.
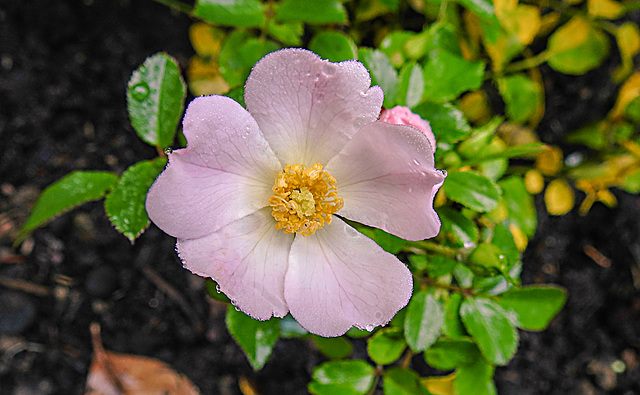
[(139, 91), (416, 162), (167, 150), (218, 289)]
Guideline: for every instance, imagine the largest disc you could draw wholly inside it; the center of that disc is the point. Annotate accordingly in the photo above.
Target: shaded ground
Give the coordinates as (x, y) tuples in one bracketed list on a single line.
[(64, 66)]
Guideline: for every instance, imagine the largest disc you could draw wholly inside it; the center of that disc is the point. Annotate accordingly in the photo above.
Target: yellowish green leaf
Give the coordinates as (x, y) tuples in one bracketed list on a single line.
[(628, 39), (534, 181), (629, 91), (577, 47), (608, 9), (549, 162), (206, 39), (559, 197)]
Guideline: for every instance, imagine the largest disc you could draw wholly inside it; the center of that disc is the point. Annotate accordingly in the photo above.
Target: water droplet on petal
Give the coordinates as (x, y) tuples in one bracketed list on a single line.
[(218, 289), (139, 91), (416, 162), (167, 150), (369, 327)]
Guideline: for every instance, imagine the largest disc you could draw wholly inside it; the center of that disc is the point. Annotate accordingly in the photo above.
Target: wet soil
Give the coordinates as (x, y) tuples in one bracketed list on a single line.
[(64, 66)]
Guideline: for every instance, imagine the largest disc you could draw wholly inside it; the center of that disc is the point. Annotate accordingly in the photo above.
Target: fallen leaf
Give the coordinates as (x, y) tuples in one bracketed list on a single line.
[(121, 374)]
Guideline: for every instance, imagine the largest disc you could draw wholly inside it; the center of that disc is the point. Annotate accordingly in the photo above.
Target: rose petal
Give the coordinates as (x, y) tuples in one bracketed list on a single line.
[(226, 172), (338, 278), (386, 177), (248, 260), (309, 108)]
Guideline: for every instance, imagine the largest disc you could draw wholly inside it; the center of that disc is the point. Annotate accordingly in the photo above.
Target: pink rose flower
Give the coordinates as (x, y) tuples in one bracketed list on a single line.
[(400, 115), (257, 198)]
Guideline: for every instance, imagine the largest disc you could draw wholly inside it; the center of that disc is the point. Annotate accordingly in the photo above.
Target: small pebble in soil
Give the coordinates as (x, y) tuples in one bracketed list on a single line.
[(17, 312)]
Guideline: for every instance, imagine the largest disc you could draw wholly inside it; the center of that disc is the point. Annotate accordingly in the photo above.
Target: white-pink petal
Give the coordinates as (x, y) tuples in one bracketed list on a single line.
[(309, 108), (248, 260), (386, 176), (339, 278), (225, 173)]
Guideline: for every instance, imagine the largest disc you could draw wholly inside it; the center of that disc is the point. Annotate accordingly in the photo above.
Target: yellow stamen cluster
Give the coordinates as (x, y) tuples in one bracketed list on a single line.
[(304, 199)]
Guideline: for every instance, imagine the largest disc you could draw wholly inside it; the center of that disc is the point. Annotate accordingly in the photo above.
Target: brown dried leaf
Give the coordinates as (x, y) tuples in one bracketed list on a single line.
[(121, 374)]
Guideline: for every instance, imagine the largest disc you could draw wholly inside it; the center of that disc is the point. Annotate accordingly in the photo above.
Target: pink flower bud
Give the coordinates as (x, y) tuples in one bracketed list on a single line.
[(400, 115)]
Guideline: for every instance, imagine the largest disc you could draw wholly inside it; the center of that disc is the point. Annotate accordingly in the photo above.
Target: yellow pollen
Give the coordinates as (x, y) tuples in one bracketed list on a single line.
[(304, 199)]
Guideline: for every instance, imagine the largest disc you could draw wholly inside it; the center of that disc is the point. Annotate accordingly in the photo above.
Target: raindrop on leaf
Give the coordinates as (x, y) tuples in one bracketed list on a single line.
[(139, 91)]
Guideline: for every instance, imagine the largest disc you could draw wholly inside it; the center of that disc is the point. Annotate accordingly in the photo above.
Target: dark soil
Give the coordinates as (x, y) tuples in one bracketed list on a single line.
[(64, 66)]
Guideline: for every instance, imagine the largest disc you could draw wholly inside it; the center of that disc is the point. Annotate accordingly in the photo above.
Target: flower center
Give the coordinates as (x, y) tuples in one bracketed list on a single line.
[(304, 199)]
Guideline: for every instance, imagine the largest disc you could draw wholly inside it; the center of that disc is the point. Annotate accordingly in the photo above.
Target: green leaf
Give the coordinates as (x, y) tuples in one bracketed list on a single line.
[(125, 204), (487, 260), (478, 142), (393, 46), (386, 346), (333, 46), (453, 326), (423, 321), (411, 85), (533, 307), (490, 326), (240, 53), (460, 228), (68, 192), (401, 381), (238, 13), (382, 73), (256, 338), (503, 239), (333, 347), (342, 377), (439, 266), (485, 11), (290, 328), (527, 150), (577, 47), (286, 33), (447, 122), (449, 354), (388, 242), (212, 290), (155, 99), (448, 75), (475, 379), (315, 12), (520, 204), (356, 333), (472, 190), (521, 97)]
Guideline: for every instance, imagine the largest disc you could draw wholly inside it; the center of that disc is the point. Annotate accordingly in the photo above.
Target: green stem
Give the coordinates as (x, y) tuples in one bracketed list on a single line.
[(437, 248), (528, 63), (177, 5)]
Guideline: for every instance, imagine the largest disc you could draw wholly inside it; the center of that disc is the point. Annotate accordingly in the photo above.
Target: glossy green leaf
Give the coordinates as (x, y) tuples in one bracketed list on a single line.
[(387, 241), (439, 265), (239, 54), (475, 379), (411, 85), (472, 190), (485, 11), (449, 354), (291, 329), (487, 260), (478, 142), (214, 293), (447, 122), (356, 333), (386, 346), (401, 381), (68, 192), (490, 326), (447, 75), (460, 229), (577, 47), (155, 99), (520, 204), (423, 321), (333, 347), (256, 338), (125, 204), (315, 12), (286, 33), (238, 13), (520, 95), (333, 46), (503, 239), (342, 377), (524, 150), (382, 73), (453, 326), (533, 307)]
